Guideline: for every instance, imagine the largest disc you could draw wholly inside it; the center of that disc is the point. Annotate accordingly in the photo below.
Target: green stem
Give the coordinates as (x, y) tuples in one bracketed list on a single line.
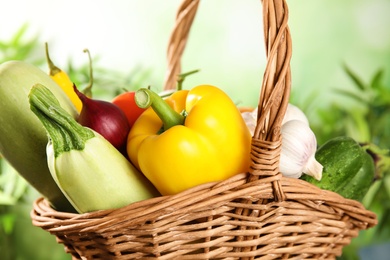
[(182, 77), (53, 68), (145, 98), (65, 132), (88, 89), (381, 158)]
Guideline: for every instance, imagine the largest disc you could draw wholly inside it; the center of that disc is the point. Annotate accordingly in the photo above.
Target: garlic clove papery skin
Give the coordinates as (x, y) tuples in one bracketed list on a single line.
[(250, 119), (297, 156), (294, 113), (313, 168)]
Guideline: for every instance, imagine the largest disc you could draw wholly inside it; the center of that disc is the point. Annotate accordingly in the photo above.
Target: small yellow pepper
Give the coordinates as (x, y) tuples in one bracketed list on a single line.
[(190, 138), (63, 80)]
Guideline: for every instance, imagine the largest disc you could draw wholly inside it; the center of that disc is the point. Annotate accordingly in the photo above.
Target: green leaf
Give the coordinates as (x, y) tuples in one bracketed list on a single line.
[(362, 128), (7, 220), (386, 182), (358, 97), (358, 82), (12, 186), (372, 193), (376, 81), (6, 199), (16, 39), (382, 93)]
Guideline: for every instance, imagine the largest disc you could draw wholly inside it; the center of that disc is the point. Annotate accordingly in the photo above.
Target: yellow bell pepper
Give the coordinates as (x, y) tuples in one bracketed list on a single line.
[(190, 138)]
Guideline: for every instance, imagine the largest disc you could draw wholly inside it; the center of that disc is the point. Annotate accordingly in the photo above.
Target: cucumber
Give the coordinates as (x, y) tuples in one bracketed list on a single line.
[(347, 168), (357, 188), (23, 139)]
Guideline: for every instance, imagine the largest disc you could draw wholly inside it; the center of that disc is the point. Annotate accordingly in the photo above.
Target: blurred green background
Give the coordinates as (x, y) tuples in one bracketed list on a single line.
[(340, 77)]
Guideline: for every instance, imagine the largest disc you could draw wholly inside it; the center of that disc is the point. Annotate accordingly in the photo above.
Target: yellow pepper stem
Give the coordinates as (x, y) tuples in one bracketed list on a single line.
[(53, 69), (182, 77), (145, 98), (88, 89)]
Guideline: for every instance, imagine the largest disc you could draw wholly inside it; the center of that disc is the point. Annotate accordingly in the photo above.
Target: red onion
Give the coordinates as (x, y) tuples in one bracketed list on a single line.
[(105, 118)]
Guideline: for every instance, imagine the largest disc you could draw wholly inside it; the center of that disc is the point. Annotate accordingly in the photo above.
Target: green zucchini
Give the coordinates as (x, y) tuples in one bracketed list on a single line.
[(347, 168), (23, 139)]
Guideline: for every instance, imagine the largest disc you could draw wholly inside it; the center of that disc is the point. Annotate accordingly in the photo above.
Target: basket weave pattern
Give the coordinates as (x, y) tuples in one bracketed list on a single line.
[(255, 215)]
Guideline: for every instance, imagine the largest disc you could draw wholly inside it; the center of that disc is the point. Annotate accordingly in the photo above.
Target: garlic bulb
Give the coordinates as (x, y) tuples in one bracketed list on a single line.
[(299, 145), (294, 113), (250, 119)]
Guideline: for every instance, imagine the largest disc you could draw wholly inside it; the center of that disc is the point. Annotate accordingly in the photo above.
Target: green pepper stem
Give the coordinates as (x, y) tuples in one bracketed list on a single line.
[(145, 98), (65, 132)]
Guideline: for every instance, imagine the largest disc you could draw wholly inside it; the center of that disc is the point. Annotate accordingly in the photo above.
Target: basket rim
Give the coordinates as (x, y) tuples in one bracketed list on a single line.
[(44, 216)]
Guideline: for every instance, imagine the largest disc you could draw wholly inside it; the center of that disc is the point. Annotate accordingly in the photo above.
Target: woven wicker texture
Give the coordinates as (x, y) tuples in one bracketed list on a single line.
[(255, 215)]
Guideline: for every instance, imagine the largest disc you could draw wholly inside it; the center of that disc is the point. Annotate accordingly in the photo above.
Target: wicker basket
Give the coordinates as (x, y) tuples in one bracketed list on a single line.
[(255, 215)]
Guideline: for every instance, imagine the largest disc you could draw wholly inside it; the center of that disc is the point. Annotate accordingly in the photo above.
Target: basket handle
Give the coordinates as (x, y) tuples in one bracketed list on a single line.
[(275, 88), (177, 41)]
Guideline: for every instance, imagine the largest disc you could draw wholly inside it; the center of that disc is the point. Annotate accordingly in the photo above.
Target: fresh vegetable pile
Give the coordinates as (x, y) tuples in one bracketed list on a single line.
[(84, 154)]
